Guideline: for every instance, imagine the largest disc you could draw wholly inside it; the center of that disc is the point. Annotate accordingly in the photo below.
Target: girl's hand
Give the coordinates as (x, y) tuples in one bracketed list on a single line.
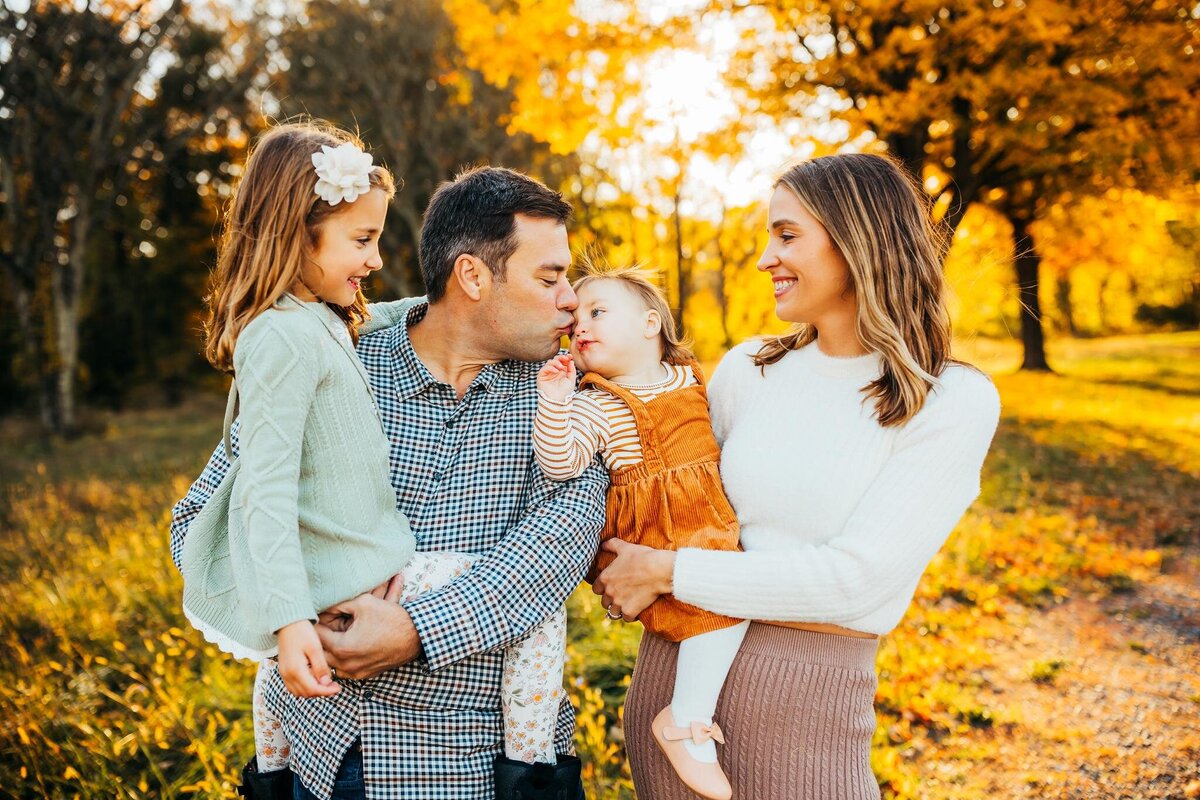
[(636, 578), (556, 379), (302, 662)]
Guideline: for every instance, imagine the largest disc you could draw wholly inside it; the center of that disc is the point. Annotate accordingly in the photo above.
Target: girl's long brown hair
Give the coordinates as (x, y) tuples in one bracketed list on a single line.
[(881, 222), (271, 227)]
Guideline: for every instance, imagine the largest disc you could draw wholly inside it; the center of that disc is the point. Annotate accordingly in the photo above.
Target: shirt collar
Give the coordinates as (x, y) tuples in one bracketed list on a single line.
[(412, 377)]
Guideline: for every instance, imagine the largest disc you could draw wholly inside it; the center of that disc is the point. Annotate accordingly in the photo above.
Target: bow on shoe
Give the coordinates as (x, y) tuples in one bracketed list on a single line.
[(699, 733)]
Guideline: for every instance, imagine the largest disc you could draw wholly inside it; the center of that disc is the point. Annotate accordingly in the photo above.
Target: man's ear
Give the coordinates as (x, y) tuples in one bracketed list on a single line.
[(653, 324), (471, 275)]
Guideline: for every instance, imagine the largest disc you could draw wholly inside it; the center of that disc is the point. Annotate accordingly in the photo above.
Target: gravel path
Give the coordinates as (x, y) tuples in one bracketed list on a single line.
[(1117, 714)]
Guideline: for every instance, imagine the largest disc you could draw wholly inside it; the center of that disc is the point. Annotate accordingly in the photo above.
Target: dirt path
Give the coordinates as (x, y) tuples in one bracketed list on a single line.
[(1118, 718)]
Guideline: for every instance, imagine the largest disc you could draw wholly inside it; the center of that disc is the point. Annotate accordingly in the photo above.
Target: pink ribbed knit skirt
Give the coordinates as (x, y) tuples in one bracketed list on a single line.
[(797, 711)]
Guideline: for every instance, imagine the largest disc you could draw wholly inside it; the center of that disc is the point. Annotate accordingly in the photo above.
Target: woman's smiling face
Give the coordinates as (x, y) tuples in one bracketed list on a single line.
[(809, 273)]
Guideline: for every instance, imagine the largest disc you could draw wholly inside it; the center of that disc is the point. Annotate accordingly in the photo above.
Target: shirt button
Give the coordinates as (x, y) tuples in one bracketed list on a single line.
[(437, 476), (367, 694)]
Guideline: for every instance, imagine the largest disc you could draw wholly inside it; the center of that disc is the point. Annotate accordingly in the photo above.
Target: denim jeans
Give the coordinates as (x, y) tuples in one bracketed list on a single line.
[(348, 785)]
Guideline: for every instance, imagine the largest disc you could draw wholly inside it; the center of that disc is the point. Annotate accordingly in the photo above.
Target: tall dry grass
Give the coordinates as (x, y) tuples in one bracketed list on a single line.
[(106, 692)]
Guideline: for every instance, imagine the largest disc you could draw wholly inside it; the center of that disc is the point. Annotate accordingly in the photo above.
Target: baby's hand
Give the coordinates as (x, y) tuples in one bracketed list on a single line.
[(556, 379), (302, 662)]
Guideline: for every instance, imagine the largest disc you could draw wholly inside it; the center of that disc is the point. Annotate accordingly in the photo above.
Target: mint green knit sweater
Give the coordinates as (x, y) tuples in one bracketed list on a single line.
[(311, 517)]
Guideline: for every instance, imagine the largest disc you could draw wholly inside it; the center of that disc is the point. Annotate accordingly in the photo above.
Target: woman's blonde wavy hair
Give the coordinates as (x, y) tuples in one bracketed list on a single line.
[(271, 226), (639, 280), (881, 221)]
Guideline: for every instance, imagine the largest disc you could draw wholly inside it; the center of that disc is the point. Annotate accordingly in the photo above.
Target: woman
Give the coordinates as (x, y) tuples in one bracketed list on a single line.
[(851, 446)]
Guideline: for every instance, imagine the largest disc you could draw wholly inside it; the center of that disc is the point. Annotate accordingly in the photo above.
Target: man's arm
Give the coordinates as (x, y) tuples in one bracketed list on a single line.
[(525, 577), (186, 509)]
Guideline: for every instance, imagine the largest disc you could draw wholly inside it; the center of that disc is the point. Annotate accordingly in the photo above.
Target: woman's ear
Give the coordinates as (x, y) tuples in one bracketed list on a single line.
[(471, 275), (653, 324)]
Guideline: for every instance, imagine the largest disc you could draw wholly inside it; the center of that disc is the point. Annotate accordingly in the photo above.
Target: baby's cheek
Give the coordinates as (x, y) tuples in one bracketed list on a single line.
[(580, 364)]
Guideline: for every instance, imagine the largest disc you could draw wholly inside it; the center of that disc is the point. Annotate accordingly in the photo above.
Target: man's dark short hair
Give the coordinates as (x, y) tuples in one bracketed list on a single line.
[(475, 214)]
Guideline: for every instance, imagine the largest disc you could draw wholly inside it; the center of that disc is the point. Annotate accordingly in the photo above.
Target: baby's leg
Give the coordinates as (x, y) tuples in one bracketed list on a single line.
[(531, 690), (531, 687), (703, 665), (270, 741)]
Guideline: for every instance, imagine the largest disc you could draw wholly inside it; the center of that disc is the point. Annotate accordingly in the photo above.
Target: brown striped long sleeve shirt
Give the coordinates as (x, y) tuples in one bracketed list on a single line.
[(568, 435)]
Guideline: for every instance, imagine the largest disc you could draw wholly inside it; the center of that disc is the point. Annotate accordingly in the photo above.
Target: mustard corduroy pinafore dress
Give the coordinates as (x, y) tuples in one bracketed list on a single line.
[(673, 498)]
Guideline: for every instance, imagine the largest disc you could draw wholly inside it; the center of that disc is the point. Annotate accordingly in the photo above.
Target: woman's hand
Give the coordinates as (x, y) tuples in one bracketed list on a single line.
[(302, 662), (636, 578)]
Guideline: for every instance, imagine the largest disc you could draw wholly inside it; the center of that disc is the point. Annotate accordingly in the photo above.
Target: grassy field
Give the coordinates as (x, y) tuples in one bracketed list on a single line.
[(1068, 587)]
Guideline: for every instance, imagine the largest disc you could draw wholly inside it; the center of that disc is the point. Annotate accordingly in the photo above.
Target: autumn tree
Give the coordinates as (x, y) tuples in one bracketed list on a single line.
[(1015, 103), (393, 70), (1102, 274), (92, 99), (582, 87)]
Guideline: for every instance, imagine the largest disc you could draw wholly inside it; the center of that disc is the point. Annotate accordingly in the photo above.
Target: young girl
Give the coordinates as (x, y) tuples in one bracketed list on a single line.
[(642, 406), (306, 517)]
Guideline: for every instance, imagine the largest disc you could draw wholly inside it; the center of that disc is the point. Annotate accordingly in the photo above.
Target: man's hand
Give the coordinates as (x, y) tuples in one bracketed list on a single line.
[(556, 378), (389, 589), (367, 635), (302, 664)]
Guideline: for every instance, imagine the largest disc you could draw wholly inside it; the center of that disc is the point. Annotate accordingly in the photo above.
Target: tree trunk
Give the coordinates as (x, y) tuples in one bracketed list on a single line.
[(1028, 263), (681, 277), (1102, 304), (722, 300), (909, 146), (21, 267), (633, 239), (1063, 295), (23, 300), (67, 291)]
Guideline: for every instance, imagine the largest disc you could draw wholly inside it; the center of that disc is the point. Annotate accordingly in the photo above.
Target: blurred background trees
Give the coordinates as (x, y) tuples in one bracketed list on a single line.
[(1058, 138), (1024, 107), (104, 110), (394, 70)]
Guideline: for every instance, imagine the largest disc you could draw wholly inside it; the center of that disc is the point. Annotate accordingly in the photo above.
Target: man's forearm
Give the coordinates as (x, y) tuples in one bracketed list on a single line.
[(522, 581)]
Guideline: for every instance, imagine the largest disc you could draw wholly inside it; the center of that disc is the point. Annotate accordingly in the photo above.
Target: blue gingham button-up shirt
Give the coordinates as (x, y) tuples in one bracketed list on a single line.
[(464, 473)]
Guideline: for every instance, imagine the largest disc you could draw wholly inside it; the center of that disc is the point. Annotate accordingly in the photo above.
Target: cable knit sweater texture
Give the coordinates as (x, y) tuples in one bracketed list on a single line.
[(312, 517), (839, 516)]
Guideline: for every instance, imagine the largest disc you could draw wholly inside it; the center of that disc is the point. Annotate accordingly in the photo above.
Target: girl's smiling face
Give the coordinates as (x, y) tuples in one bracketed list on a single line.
[(615, 333), (347, 251)]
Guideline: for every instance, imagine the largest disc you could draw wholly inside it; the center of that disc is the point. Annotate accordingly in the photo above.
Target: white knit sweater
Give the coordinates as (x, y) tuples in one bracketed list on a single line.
[(839, 515)]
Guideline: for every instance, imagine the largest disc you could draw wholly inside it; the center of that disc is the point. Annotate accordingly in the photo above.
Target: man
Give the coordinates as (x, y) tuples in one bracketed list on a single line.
[(419, 711)]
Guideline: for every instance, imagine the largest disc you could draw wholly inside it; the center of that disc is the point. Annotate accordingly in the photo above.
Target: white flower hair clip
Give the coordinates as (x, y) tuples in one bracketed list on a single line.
[(343, 173)]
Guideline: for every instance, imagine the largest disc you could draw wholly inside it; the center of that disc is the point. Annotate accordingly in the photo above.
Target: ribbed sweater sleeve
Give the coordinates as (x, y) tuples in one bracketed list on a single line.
[(869, 569), (724, 389), (277, 374), (567, 435)]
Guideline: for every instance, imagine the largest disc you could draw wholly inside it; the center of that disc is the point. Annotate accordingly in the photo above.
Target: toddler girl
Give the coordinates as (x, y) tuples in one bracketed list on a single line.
[(306, 517), (642, 406)]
